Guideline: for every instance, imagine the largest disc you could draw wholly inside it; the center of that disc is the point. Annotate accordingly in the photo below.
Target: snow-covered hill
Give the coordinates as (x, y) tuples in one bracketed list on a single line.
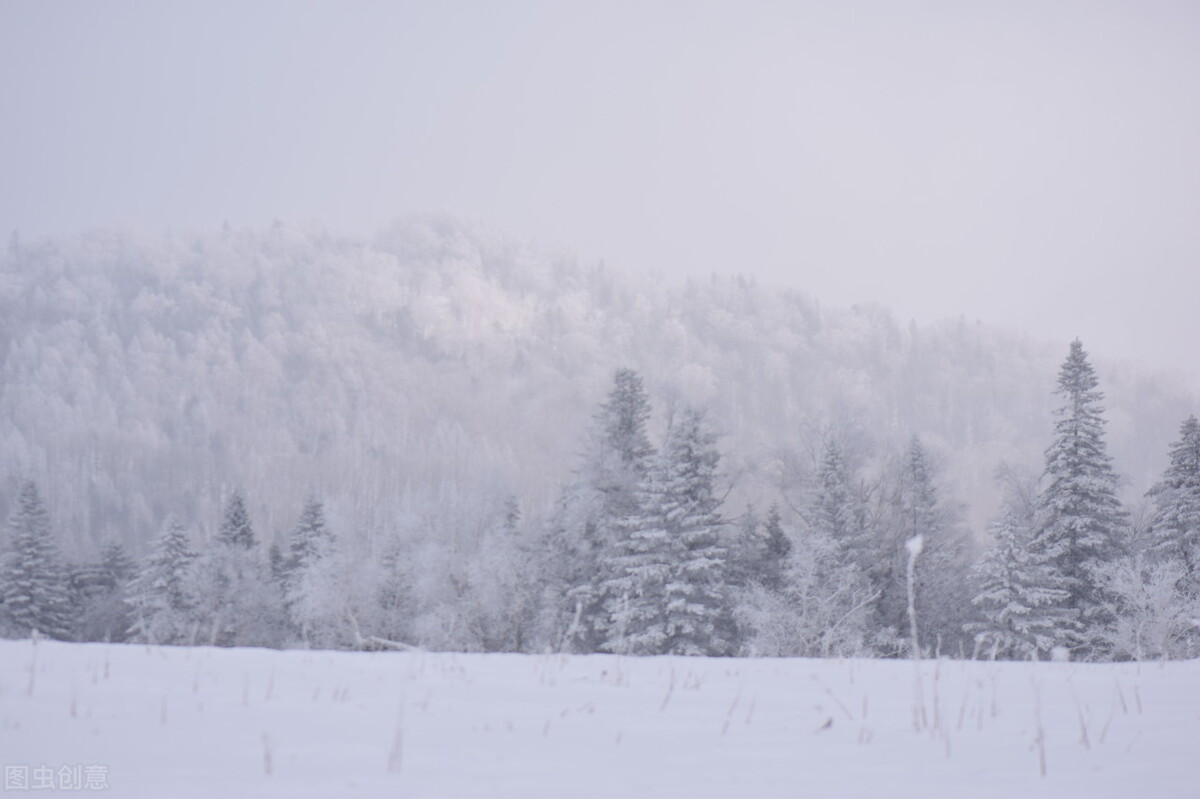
[(155, 721), (418, 379)]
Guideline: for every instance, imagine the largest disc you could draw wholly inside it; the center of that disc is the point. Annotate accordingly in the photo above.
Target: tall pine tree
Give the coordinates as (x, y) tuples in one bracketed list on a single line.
[(838, 509), (942, 593), (33, 582), (668, 590), (616, 464), (159, 600), (1080, 519)]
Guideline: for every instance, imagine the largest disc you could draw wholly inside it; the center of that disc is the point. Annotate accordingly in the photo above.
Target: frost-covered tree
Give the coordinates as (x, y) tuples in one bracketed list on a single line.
[(235, 525), (98, 595), (942, 591), (583, 539), (310, 542), (1021, 594), (160, 605), (1155, 611), (822, 608), (1080, 519), (1175, 531), (311, 538), (237, 601), (499, 590), (33, 582), (667, 589), (839, 511), (759, 551), (778, 548)]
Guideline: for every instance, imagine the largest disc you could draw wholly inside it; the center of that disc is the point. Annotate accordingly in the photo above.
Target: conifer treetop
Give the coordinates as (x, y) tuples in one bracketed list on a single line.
[(235, 526)]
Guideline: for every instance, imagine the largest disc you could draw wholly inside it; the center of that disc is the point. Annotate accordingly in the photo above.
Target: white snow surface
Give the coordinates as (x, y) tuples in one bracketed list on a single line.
[(200, 722)]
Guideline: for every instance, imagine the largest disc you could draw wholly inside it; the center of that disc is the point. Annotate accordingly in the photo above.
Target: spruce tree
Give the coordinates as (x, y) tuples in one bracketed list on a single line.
[(668, 591), (238, 602), (235, 526), (1080, 518), (585, 538), (838, 510), (33, 583), (1021, 594), (778, 548), (1176, 526), (311, 538), (158, 595), (942, 590)]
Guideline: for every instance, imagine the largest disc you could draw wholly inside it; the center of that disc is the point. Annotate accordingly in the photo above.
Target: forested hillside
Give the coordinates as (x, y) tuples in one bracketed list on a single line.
[(419, 380)]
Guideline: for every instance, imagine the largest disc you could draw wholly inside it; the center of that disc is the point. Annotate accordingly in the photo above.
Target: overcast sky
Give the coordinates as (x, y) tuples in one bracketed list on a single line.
[(1035, 165)]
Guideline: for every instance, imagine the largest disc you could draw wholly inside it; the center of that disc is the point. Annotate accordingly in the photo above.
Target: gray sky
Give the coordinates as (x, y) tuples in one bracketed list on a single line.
[(1030, 164)]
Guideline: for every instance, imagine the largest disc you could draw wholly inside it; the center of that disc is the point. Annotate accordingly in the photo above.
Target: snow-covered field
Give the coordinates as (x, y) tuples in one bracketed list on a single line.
[(166, 722)]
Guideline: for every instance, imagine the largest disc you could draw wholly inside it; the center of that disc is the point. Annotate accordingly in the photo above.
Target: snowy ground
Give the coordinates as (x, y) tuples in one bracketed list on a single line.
[(161, 722)]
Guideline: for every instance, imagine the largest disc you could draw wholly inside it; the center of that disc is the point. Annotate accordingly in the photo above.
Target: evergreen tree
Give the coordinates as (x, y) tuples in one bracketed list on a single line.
[(238, 602), (310, 542), (942, 591), (33, 583), (759, 551), (158, 596), (1021, 594), (235, 526), (778, 548), (1176, 527), (746, 552), (98, 596), (311, 538), (839, 511), (668, 589), (1080, 518), (584, 539)]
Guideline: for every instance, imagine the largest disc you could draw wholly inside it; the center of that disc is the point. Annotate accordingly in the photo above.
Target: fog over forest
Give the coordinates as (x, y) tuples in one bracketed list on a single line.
[(458, 398), (419, 379)]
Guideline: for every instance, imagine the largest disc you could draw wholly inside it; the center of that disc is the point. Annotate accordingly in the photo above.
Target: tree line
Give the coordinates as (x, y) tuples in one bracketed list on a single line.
[(643, 557)]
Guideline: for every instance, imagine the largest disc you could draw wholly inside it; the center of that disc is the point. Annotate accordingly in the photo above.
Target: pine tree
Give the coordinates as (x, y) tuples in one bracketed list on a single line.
[(33, 583), (158, 596), (668, 591), (310, 542), (838, 510), (1176, 527), (759, 551), (942, 591), (1080, 518), (311, 538), (1021, 594), (238, 602), (778, 548), (584, 539), (235, 526)]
